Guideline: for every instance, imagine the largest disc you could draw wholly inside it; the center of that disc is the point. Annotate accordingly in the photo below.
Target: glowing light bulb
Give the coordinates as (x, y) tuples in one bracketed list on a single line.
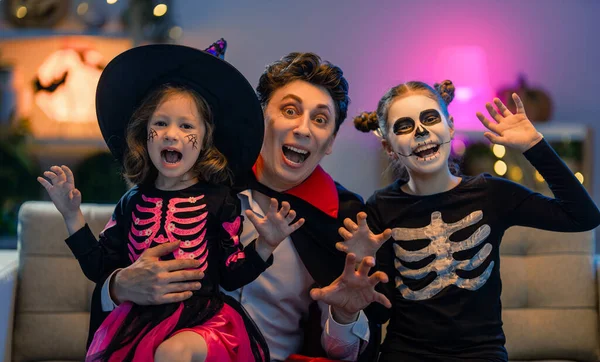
[(82, 8), (160, 10), (499, 151), (500, 168), (175, 32), (515, 173), (538, 177), (21, 12)]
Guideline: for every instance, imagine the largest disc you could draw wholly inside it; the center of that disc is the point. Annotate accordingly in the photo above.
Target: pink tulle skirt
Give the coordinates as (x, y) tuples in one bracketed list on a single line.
[(225, 336)]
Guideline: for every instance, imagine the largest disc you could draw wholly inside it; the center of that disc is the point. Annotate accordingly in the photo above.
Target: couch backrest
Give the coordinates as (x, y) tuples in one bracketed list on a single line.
[(53, 295), (549, 296), (550, 300)]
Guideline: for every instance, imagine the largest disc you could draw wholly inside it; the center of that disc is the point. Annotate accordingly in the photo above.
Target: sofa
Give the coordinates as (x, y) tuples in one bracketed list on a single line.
[(550, 292)]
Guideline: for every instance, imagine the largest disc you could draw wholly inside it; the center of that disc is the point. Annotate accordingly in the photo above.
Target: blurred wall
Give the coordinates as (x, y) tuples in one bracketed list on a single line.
[(381, 43)]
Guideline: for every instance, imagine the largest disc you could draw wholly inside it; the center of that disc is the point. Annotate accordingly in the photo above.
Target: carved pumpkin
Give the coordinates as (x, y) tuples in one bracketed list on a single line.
[(538, 103)]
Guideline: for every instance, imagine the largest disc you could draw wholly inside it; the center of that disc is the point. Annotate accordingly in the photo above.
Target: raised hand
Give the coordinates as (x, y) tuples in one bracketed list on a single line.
[(275, 225), (62, 191), (354, 290), (359, 239), (511, 130)]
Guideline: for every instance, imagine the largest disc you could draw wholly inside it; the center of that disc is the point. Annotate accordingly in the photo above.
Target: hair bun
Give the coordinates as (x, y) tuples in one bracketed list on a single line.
[(446, 90), (366, 122)]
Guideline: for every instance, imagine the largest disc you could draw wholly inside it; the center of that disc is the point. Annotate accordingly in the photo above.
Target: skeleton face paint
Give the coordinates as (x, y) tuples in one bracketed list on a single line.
[(419, 133), (406, 125), (175, 131), (444, 265)]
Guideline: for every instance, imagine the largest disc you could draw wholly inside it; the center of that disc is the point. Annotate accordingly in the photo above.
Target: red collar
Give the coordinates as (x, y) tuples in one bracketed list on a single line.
[(319, 190)]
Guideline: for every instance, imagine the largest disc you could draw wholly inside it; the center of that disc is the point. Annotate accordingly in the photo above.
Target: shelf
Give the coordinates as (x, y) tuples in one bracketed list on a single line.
[(67, 142), (24, 33), (552, 132)]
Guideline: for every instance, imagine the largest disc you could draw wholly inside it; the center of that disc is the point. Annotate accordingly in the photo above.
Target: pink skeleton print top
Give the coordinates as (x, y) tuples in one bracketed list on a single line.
[(154, 228), (204, 218)]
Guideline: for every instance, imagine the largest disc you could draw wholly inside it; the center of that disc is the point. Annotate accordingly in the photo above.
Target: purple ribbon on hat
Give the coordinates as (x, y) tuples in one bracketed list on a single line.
[(217, 48)]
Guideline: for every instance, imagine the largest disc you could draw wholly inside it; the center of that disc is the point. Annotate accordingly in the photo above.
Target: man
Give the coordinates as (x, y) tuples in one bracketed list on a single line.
[(304, 102)]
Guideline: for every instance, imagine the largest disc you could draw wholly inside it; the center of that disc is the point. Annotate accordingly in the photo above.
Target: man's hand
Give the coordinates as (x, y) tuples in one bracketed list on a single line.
[(359, 239), (274, 227), (150, 281), (353, 291)]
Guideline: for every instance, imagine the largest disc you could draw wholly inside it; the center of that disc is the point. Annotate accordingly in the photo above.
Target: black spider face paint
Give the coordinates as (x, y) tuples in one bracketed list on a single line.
[(152, 134), (193, 139)]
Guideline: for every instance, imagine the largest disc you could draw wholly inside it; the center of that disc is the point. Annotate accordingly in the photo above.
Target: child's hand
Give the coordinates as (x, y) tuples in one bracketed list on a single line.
[(512, 130), (359, 239), (62, 191), (276, 225)]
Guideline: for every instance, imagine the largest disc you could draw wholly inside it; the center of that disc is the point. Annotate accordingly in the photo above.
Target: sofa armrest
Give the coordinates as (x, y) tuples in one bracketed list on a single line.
[(9, 261), (597, 262)]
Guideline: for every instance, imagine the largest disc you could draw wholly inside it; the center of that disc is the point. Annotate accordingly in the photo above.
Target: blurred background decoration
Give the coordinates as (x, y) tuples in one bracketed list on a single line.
[(539, 103), (17, 174), (99, 178), (144, 21), (572, 142), (51, 56), (35, 13), (52, 52)]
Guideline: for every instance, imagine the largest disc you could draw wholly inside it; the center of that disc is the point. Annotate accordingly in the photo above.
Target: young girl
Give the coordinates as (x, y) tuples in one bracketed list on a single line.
[(186, 133), (443, 255)]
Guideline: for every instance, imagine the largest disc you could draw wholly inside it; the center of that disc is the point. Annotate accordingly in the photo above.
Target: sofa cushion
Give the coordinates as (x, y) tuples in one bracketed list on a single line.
[(549, 295), (53, 295), (50, 336)]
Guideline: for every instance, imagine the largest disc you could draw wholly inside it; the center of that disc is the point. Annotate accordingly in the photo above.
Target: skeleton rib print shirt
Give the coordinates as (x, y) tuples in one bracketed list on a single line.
[(443, 258), (205, 218)]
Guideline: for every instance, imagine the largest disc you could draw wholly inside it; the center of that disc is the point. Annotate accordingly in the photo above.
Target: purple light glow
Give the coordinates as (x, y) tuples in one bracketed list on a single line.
[(467, 68)]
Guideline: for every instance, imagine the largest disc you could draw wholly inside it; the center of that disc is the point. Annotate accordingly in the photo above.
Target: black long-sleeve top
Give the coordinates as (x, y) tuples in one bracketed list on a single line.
[(443, 257)]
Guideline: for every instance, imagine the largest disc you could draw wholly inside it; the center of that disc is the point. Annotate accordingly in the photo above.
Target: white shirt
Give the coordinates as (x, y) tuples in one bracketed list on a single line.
[(279, 299)]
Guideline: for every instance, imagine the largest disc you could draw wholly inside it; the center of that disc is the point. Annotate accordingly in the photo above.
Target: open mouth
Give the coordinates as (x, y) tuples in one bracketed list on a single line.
[(171, 156), (295, 155), (427, 151)]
